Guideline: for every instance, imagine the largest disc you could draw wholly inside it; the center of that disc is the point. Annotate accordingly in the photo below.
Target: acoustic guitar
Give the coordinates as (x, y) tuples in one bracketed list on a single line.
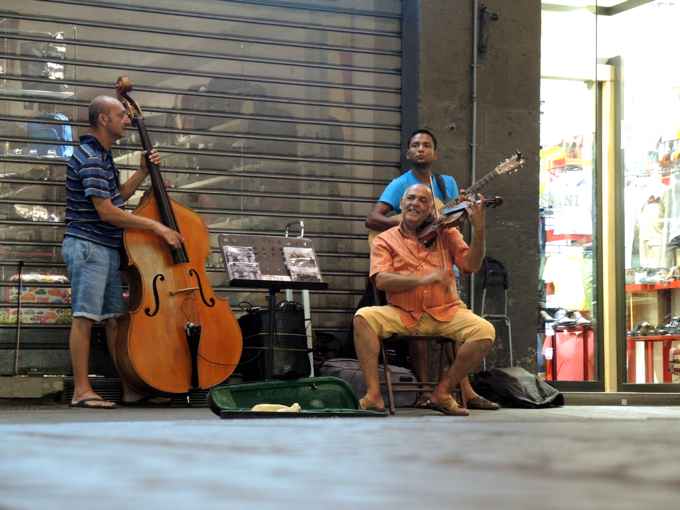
[(459, 204)]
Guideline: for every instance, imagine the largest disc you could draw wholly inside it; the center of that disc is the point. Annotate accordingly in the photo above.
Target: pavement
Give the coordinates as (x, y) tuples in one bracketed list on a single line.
[(53, 457)]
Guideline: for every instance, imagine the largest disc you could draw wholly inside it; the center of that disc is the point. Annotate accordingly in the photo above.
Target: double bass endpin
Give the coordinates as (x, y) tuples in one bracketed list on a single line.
[(193, 333)]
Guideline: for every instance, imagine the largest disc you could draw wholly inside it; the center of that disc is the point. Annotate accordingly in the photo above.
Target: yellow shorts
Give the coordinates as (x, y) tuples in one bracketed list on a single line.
[(465, 326)]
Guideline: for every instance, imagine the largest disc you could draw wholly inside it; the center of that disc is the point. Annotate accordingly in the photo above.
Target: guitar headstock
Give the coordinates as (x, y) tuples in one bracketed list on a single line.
[(511, 164), (507, 166)]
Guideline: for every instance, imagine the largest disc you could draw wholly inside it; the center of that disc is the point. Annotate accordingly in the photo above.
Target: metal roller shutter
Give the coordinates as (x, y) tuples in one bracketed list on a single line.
[(265, 111)]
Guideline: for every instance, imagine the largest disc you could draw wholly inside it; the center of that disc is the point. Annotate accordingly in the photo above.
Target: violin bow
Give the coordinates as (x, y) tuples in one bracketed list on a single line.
[(436, 218)]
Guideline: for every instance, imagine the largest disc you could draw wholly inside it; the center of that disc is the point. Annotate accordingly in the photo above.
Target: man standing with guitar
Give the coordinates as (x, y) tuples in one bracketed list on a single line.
[(422, 153)]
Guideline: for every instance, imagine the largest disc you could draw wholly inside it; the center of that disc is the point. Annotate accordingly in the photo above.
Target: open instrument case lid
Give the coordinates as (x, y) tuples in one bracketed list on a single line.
[(319, 397)]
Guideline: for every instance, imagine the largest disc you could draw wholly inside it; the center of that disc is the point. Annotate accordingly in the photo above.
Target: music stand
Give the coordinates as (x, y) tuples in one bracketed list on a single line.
[(256, 261)]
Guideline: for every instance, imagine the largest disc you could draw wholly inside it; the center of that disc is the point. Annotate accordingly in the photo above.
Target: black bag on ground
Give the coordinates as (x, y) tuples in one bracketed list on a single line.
[(515, 387), (349, 371), (329, 346), (290, 357)]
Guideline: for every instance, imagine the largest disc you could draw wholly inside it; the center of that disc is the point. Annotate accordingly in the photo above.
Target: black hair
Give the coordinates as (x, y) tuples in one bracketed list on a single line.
[(426, 132)]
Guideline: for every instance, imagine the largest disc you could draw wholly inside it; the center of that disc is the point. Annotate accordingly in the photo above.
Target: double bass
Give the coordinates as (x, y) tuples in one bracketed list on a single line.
[(178, 335)]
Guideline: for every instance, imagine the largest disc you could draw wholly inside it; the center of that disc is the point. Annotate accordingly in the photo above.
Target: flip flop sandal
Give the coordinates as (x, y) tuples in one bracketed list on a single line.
[(86, 403), (449, 407), (483, 404)]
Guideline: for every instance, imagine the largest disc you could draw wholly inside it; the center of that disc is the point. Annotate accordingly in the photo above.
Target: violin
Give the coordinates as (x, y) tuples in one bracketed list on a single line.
[(451, 217)]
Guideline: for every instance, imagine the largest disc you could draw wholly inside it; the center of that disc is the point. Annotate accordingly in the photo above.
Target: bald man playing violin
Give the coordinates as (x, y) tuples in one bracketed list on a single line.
[(422, 297)]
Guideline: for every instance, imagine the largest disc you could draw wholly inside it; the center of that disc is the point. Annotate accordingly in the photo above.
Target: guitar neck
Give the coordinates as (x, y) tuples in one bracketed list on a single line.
[(482, 182), (474, 189)]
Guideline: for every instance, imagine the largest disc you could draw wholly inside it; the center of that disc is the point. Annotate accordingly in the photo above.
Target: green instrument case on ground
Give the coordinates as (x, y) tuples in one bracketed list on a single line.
[(319, 397)]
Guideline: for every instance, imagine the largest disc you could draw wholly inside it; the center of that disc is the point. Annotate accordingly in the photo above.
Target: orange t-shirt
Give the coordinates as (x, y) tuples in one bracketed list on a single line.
[(393, 252)]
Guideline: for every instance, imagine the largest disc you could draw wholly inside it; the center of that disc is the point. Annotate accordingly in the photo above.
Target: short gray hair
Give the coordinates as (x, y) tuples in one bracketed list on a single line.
[(403, 195), (98, 105)]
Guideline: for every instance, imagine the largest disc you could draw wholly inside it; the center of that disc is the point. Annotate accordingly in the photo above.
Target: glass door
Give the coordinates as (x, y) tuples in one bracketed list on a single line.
[(648, 123), (568, 340), (567, 347)]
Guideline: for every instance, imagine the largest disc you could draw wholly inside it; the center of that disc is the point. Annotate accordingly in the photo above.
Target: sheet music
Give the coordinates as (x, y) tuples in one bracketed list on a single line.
[(301, 264), (241, 262)]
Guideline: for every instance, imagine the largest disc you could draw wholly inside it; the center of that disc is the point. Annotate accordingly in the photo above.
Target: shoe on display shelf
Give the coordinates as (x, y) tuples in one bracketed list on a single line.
[(661, 275), (546, 316), (580, 319), (673, 273), (563, 320), (644, 329), (672, 327), (650, 275)]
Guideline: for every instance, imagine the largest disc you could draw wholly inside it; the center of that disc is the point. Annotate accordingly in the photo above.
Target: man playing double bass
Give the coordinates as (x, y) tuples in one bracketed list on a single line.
[(421, 153), (93, 240), (422, 297)]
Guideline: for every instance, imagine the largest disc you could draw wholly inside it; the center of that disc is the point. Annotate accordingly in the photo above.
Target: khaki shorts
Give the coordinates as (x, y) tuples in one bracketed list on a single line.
[(465, 326)]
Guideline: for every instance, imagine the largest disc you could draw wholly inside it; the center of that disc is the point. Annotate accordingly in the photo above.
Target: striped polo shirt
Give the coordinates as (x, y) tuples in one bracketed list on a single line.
[(91, 173)]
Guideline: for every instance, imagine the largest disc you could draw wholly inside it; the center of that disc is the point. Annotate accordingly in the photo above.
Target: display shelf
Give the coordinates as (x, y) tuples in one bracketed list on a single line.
[(656, 310), (640, 287), (654, 338), (652, 287), (674, 284), (666, 342)]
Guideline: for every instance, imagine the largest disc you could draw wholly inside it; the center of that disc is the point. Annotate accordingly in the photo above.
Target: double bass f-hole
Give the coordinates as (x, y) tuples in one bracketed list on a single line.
[(209, 302), (156, 299)]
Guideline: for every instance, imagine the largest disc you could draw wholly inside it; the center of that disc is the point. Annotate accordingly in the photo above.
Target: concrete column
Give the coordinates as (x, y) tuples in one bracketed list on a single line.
[(437, 74)]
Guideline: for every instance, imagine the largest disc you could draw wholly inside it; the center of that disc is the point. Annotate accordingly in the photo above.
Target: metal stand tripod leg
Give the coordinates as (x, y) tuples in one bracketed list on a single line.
[(269, 350), (504, 317)]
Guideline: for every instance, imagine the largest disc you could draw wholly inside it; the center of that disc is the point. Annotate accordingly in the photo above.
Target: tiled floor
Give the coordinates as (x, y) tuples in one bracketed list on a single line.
[(568, 458)]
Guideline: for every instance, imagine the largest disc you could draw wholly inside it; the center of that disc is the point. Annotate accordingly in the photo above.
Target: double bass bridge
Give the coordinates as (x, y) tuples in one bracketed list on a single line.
[(207, 302), (181, 291)]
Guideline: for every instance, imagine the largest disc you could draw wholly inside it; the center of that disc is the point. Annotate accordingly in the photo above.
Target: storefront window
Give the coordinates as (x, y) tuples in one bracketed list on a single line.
[(648, 120), (610, 106), (567, 340)]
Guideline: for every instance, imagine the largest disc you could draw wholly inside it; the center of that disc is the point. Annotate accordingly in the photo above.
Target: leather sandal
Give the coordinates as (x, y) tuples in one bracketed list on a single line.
[(483, 404), (449, 407)]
